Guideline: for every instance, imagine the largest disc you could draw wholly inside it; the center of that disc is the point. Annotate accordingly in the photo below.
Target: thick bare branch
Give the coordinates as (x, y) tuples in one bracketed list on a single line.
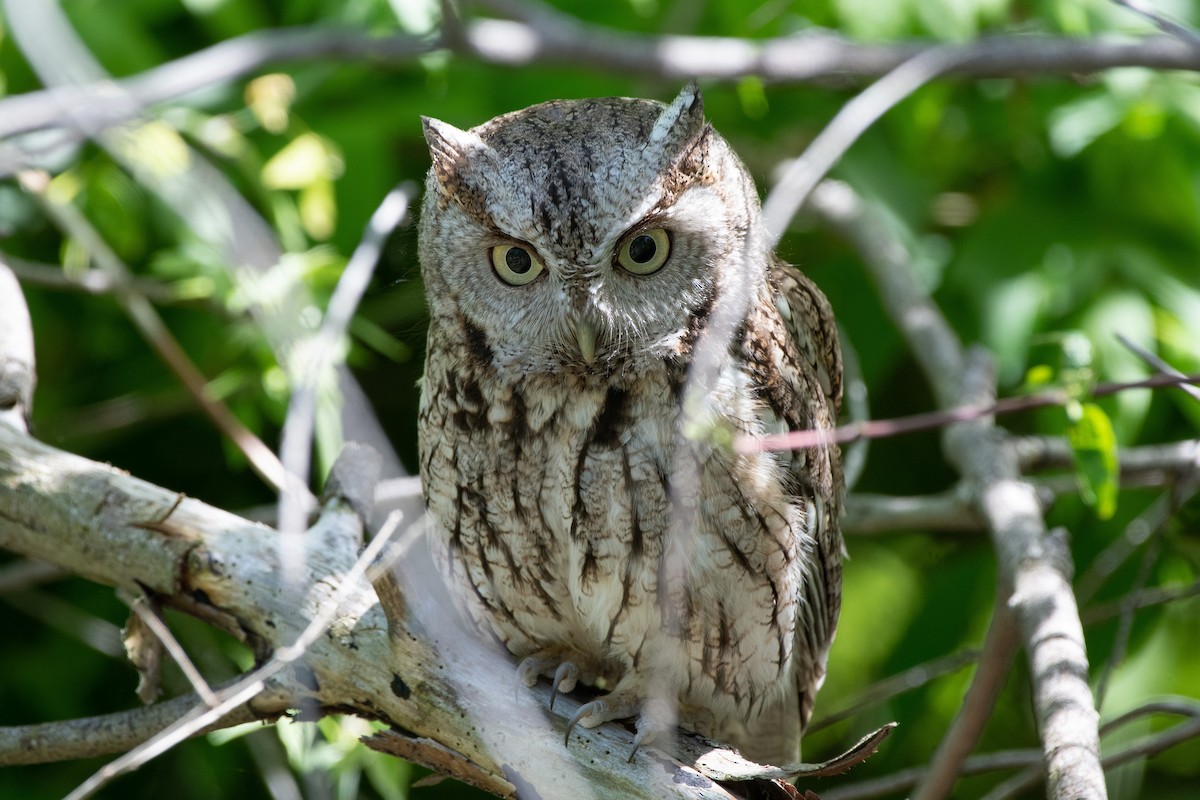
[(427, 678)]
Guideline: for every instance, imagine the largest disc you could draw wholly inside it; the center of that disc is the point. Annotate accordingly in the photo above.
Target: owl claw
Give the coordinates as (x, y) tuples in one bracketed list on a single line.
[(527, 674), (643, 736), (565, 678), (594, 708)]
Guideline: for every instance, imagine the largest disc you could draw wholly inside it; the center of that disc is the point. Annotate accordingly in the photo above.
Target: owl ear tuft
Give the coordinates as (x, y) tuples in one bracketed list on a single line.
[(680, 122), (450, 148)]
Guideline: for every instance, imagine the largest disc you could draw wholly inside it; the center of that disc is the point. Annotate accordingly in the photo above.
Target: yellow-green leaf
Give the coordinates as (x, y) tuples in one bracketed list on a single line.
[(1095, 447), (305, 160)]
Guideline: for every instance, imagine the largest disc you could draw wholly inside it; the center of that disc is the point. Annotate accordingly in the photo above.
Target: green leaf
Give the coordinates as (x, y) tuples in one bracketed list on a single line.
[(1094, 445), (305, 160), (753, 97)]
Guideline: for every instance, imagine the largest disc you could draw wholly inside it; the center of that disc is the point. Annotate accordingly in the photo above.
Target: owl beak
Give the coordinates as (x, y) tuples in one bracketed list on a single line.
[(585, 334)]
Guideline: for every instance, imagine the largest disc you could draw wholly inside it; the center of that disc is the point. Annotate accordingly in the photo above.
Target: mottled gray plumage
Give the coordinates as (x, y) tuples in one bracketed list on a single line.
[(551, 423)]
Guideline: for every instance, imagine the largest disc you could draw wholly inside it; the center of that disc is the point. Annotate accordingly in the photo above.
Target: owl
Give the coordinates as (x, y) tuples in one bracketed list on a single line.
[(579, 257)]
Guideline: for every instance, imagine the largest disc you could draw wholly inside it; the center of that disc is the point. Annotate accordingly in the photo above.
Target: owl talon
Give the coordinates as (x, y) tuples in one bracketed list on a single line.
[(527, 673), (657, 716), (638, 740), (565, 678), (585, 710)]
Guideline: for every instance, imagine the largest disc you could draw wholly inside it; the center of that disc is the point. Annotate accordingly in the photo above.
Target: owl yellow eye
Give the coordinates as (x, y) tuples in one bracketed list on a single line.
[(515, 264), (645, 252)]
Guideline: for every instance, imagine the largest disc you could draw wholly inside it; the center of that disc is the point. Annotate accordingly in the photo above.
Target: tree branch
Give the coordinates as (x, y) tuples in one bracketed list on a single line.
[(551, 38), (1034, 565), (951, 510), (424, 675), (995, 662), (150, 325), (109, 733)]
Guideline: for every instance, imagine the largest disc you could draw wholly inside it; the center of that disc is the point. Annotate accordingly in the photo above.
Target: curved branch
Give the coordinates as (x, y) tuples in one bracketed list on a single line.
[(548, 37)]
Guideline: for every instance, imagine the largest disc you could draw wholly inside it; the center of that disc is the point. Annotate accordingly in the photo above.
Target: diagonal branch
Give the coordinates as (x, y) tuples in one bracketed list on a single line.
[(1034, 564)]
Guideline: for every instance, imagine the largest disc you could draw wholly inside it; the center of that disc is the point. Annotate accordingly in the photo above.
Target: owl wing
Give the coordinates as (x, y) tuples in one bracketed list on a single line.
[(810, 369)]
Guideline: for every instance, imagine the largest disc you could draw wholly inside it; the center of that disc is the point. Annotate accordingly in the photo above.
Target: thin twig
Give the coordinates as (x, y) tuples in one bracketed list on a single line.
[(857, 408), (1143, 598), (1125, 620), (906, 681), (312, 371), (999, 648), (1030, 760), (801, 177), (26, 573), (933, 420), (1138, 531), (172, 645), (1162, 22), (91, 281), (1156, 362), (905, 779), (53, 611)]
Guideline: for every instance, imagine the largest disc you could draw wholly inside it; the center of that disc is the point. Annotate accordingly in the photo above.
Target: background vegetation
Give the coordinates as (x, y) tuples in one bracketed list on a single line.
[(1040, 211)]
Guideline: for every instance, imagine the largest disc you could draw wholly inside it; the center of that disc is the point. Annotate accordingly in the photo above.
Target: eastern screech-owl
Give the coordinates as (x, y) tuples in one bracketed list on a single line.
[(575, 254)]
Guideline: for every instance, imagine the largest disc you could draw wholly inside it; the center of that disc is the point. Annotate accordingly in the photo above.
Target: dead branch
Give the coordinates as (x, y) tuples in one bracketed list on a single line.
[(426, 677)]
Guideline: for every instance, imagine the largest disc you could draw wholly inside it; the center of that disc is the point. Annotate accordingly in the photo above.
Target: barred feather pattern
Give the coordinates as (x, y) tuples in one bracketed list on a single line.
[(549, 475)]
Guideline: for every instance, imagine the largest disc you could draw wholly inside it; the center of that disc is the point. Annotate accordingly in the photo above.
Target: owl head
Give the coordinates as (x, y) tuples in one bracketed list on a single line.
[(582, 237)]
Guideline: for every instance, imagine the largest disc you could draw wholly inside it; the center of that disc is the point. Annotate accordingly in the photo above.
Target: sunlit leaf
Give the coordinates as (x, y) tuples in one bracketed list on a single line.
[(269, 98), (305, 160), (1076, 125), (1094, 446), (157, 148), (318, 209), (753, 97)]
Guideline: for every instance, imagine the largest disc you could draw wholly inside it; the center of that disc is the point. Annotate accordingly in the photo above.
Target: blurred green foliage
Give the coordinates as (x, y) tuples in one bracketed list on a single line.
[(1034, 209)]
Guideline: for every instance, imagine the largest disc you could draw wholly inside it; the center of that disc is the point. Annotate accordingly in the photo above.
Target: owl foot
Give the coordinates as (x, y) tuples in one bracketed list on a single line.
[(654, 716), (563, 679)]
